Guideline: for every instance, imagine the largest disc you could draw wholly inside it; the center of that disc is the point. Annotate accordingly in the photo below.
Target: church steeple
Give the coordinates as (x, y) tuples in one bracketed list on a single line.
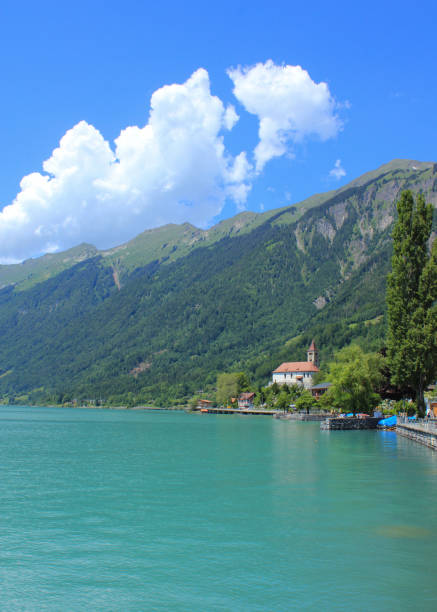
[(313, 354)]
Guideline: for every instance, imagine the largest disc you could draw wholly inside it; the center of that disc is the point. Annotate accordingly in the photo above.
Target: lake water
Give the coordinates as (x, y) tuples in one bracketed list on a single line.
[(132, 510)]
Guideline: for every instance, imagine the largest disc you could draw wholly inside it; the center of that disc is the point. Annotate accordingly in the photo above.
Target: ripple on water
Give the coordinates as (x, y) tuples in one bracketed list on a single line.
[(112, 510), (403, 531)]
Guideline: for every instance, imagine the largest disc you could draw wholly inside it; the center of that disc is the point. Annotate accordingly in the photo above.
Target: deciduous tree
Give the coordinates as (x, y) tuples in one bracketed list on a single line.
[(354, 375), (230, 384), (305, 401), (283, 401)]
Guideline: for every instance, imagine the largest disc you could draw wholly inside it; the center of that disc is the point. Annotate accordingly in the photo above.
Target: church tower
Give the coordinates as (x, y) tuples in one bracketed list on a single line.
[(313, 354)]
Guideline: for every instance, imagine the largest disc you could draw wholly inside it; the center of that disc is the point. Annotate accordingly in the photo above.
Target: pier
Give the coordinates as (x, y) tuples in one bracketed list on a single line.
[(238, 411)]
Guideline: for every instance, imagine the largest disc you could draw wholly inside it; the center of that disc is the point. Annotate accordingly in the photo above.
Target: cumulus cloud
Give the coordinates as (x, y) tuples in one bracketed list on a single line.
[(337, 171), (290, 107), (174, 169)]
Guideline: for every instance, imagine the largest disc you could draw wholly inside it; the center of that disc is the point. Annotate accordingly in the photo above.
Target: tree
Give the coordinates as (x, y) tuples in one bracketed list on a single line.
[(295, 391), (325, 402), (305, 401), (283, 401), (354, 375), (411, 298), (193, 402), (275, 389), (230, 384), (260, 397)]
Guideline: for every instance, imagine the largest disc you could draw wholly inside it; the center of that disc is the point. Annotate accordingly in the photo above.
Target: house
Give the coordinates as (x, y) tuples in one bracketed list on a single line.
[(203, 404), (298, 372), (245, 401), (320, 389)]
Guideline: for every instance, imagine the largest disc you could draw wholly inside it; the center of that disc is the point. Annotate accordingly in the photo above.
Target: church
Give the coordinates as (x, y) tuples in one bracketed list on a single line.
[(298, 372)]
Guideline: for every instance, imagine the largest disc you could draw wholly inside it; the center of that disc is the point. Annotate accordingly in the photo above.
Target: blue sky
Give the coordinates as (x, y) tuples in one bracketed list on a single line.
[(99, 62)]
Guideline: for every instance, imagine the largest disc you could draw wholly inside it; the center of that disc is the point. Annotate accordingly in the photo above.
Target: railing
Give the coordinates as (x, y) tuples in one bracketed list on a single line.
[(424, 424)]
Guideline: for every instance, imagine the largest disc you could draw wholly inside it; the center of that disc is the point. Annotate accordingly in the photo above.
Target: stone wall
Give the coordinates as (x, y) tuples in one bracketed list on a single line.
[(350, 423)]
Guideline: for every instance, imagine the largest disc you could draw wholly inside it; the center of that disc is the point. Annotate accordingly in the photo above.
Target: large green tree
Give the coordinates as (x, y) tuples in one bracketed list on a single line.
[(305, 401), (355, 376), (411, 298), (229, 385)]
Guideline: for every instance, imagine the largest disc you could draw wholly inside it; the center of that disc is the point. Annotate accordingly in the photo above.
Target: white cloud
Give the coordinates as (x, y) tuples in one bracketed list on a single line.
[(231, 117), (337, 171), (174, 169), (289, 104)]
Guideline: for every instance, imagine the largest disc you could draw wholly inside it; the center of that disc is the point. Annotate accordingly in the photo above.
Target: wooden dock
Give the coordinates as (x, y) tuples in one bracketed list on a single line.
[(238, 411)]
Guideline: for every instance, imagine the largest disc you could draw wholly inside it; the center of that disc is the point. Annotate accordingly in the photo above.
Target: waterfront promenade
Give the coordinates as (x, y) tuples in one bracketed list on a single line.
[(423, 431), (279, 414)]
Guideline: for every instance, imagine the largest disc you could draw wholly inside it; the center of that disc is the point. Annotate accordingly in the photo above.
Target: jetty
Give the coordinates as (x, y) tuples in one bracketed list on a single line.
[(210, 410)]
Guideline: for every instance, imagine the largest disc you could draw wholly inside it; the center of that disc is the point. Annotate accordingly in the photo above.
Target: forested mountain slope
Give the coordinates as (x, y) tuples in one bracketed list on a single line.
[(141, 324)]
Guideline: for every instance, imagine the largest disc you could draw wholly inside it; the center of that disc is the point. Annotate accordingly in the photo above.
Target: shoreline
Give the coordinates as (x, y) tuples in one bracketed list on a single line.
[(155, 409), (417, 433), (83, 407)]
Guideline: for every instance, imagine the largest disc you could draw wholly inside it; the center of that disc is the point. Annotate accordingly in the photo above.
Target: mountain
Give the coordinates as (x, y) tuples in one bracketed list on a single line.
[(156, 319), (166, 244)]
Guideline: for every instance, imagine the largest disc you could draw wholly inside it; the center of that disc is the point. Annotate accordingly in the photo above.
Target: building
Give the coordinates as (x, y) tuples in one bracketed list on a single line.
[(203, 404), (320, 389), (298, 372), (245, 401), (313, 354)]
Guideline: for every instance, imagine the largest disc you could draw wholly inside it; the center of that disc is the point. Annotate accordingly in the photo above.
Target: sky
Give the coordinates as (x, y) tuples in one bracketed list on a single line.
[(117, 117)]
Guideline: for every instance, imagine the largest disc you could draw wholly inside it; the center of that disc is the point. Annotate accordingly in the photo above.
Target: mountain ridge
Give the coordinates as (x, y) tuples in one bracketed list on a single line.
[(169, 242), (162, 330)]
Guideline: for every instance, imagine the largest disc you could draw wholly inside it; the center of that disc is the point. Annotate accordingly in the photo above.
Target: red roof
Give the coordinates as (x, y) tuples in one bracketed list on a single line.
[(296, 366), (312, 346), (246, 396)]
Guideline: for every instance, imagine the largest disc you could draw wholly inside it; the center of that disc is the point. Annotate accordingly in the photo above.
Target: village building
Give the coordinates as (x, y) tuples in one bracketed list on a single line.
[(204, 404), (245, 401), (320, 389), (298, 372)]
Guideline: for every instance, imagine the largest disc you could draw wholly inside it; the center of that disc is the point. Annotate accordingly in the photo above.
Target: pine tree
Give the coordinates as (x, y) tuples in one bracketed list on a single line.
[(411, 298)]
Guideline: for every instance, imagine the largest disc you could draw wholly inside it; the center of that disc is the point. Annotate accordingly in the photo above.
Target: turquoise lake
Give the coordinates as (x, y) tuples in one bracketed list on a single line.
[(136, 510)]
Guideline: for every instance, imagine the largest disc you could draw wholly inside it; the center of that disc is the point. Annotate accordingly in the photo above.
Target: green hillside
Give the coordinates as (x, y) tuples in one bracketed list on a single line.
[(169, 242), (156, 319), (165, 244)]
